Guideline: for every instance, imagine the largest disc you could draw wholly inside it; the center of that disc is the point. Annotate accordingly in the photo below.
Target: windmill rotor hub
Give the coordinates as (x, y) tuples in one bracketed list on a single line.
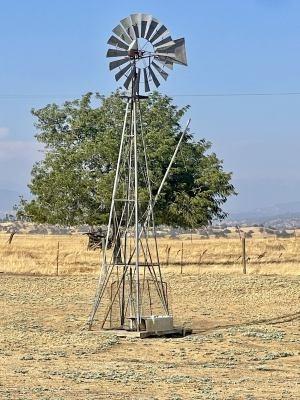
[(136, 54)]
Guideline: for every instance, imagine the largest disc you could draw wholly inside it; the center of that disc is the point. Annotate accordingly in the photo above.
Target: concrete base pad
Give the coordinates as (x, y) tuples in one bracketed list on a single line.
[(176, 331)]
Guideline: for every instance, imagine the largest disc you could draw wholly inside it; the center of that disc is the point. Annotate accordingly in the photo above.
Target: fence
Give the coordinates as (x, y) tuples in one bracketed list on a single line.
[(68, 254)]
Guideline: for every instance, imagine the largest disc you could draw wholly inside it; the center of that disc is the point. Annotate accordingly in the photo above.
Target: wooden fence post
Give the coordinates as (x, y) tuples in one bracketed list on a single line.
[(57, 258), (244, 259), (168, 249), (11, 236), (181, 258), (200, 258)]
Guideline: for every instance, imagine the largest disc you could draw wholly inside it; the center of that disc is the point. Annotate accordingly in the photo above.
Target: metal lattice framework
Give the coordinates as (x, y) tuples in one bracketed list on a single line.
[(130, 284)]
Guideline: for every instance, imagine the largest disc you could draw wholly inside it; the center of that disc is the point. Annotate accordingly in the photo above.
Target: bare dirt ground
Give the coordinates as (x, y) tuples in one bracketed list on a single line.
[(246, 343)]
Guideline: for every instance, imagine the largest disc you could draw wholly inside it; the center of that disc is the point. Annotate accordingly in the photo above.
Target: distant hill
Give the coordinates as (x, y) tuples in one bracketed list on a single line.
[(280, 215)]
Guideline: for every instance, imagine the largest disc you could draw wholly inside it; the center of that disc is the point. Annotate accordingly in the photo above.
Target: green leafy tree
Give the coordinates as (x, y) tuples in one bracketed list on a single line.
[(72, 184)]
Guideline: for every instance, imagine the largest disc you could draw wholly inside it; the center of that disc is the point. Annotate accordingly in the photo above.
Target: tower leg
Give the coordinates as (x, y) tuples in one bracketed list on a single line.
[(136, 221)]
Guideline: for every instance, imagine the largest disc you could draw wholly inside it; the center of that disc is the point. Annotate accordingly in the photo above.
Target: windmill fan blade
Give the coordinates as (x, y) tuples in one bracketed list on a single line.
[(118, 63), (152, 25), (165, 61), (146, 18), (134, 45), (128, 79), (120, 32), (146, 82), (160, 70), (127, 24), (122, 71), (143, 28), (158, 33), (153, 76), (164, 42), (116, 53), (117, 42), (136, 23)]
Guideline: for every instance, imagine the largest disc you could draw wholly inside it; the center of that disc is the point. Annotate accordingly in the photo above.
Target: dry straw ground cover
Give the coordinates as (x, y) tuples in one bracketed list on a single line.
[(39, 254), (246, 343)]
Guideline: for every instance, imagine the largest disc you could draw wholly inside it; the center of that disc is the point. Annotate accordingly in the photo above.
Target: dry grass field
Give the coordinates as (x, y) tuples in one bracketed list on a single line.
[(246, 341), (40, 254)]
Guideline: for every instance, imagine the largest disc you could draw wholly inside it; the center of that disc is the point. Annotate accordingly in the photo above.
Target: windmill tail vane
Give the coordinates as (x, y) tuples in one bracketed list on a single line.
[(131, 294)]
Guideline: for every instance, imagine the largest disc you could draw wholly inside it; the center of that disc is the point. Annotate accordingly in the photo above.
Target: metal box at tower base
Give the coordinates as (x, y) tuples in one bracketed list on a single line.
[(158, 323), (154, 323)]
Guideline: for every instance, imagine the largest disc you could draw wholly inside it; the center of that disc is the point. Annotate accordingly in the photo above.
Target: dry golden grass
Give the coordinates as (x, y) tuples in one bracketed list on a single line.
[(246, 342), (37, 254)]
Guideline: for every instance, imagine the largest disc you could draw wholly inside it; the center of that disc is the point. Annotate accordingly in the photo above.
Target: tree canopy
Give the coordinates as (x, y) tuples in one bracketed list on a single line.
[(72, 184)]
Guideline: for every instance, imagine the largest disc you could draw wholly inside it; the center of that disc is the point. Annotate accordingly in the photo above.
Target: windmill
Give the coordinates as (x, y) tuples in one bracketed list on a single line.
[(131, 294)]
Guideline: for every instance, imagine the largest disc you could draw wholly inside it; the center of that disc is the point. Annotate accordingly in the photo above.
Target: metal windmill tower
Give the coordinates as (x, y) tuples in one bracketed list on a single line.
[(131, 294)]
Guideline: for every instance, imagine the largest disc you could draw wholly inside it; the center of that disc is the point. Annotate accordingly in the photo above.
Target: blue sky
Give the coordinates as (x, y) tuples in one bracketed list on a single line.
[(55, 50)]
